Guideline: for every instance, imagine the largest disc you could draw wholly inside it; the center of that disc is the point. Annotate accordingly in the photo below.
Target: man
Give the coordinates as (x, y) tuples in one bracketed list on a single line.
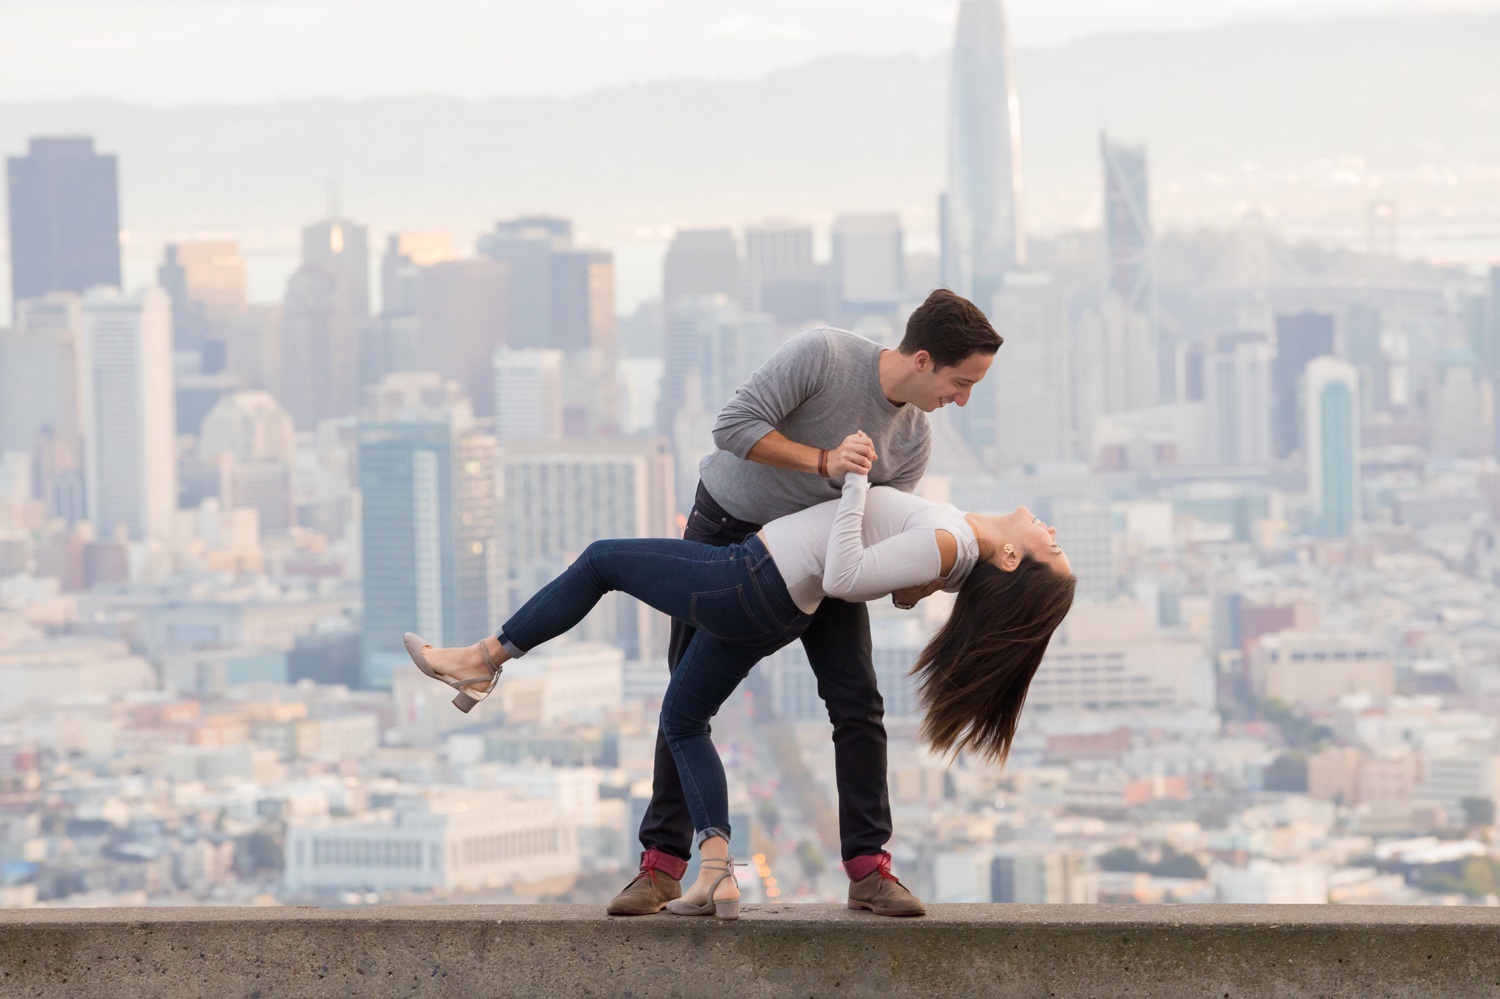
[(778, 451)]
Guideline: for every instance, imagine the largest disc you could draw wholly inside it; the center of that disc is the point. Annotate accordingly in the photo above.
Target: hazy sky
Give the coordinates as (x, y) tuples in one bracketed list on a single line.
[(194, 51)]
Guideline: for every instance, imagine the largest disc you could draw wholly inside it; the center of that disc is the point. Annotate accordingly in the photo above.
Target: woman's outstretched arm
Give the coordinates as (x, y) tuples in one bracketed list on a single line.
[(852, 571)]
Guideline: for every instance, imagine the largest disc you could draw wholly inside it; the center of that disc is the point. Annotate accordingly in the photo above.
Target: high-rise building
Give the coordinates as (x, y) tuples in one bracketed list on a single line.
[(1461, 407), (39, 373), (528, 245), (712, 347), (1491, 356), (406, 253), (1127, 224), (1300, 337), (343, 248), (562, 495), (869, 261), (528, 394), (319, 347), (249, 437), (1331, 389), (700, 262), (982, 228), (429, 520), (583, 325), (206, 282), (64, 218), (1129, 250), (1237, 400), (464, 317), (780, 276), (125, 387), (1035, 391)]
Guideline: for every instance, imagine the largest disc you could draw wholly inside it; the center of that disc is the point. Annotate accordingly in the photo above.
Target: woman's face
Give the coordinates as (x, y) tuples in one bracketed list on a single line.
[(1032, 537)]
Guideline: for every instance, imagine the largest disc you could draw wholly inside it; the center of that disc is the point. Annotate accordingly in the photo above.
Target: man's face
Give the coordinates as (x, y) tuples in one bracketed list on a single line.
[(937, 387)]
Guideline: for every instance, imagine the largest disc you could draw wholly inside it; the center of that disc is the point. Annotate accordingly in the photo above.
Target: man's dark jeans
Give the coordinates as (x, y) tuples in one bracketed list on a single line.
[(839, 650)]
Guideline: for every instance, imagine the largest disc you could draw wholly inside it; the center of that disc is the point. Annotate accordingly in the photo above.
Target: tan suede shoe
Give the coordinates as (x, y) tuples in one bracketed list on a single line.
[(647, 895), (882, 894)]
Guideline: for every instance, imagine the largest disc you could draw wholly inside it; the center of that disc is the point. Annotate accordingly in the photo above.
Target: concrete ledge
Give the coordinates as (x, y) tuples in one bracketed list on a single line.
[(1204, 952)]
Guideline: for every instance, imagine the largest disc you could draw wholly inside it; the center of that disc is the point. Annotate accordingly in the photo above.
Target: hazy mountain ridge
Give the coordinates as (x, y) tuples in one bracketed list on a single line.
[(845, 133)]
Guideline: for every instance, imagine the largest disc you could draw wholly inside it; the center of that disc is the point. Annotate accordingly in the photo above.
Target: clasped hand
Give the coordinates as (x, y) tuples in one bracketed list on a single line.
[(856, 454)]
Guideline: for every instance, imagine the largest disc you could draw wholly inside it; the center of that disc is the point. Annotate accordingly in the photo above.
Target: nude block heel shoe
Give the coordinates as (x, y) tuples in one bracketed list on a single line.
[(465, 699), (728, 908)]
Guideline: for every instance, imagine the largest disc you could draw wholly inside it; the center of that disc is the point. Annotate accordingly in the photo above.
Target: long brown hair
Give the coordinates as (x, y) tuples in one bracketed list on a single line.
[(975, 671)]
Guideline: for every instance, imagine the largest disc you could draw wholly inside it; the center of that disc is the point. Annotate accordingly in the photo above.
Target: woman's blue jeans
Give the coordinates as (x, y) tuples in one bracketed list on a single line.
[(735, 598)]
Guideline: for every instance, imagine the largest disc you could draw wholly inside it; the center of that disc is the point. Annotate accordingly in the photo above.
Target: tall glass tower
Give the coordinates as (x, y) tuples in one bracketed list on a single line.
[(1332, 388), (981, 217)]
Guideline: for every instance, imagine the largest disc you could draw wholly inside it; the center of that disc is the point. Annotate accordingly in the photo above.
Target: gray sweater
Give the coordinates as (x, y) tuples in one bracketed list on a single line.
[(817, 388)]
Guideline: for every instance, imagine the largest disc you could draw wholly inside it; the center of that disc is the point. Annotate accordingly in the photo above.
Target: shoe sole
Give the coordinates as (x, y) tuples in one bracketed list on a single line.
[(867, 907), (637, 912)]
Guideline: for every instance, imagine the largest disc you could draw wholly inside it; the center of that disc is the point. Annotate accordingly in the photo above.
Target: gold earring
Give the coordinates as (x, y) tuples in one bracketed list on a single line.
[(1010, 549)]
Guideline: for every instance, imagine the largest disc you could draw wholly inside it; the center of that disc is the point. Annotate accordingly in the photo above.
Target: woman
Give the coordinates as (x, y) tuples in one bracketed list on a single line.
[(748, 600)]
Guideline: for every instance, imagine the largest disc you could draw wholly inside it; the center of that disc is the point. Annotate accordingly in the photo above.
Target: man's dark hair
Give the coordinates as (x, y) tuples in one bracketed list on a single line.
[(950, 328)]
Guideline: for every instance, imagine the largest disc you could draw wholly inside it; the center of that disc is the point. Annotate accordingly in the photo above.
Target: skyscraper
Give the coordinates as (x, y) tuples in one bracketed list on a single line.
[(528, 244), (206, 282), (1300, 337), (39, 373), (982, 223), (64, 218), (869, 261), (1237, 396), (780, 275), (319, 346), (1036, 392), (1332, 420), (700, 262), (249, 437), (464, 315), (125, 365), (528, 394), (561, 495), (429, 519), (343, 248), (1129, 252), (1127, 223)]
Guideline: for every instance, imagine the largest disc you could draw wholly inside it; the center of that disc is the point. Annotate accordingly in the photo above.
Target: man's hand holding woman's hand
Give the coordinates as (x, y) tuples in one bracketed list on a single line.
[(856, 454)]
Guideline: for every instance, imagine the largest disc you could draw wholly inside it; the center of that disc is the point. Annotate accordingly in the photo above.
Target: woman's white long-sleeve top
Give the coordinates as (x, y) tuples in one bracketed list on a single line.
[(866, 543)]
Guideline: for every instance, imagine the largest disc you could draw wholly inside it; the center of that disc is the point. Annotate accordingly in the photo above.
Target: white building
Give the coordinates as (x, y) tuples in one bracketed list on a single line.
[(250, 437), (1262, 882), (129, 412), (1301, 667), (869, 259), (1112, 658), (449, 839), (561, 495), (1237, 403), (39, 372), (1035, 380), (528, 394), (1468, 771), (563, 681)]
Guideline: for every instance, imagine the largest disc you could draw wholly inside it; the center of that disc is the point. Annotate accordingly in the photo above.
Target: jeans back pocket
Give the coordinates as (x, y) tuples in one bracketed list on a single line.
[(727, 615)]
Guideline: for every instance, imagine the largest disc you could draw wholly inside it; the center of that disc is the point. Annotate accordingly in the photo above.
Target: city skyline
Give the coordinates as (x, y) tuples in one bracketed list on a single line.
[(391, 365)]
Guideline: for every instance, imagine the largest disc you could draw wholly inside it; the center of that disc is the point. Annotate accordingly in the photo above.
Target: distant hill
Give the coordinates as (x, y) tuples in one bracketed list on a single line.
[(847, 134)]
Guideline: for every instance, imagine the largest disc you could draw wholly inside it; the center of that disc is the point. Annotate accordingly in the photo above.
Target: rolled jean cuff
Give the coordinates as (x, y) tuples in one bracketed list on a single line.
[(509, 646), (710, 833)]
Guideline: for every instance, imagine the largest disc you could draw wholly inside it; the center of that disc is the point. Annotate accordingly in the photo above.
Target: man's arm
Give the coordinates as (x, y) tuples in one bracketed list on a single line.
[(746, 426), (790, 376), (777, 450)]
